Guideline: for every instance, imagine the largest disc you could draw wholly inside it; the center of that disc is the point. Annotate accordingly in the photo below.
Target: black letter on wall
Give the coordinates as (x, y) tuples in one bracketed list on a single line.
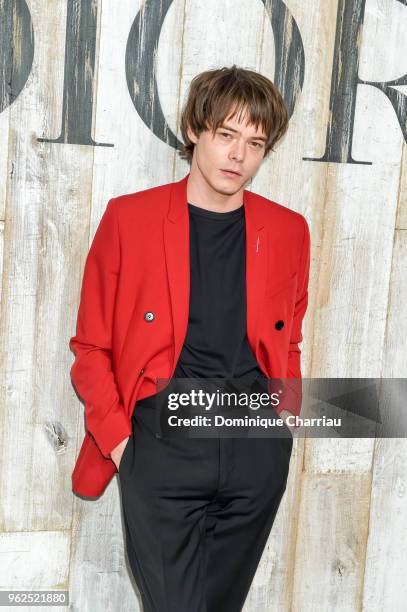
[(344, 84), (79, 75), (16, 49)]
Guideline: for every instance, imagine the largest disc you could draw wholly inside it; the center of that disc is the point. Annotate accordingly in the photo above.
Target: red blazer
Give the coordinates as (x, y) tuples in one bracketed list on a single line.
[(139, 262)]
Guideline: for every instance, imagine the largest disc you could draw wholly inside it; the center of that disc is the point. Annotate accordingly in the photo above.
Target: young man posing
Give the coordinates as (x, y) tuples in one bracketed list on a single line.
[(199, 278)]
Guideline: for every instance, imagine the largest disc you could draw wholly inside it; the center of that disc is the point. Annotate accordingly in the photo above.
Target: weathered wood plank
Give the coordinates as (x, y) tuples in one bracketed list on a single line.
[(52, 196), (333, 525)]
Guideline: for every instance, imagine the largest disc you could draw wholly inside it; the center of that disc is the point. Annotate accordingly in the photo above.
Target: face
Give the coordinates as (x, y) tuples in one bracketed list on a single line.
[(231, 157)]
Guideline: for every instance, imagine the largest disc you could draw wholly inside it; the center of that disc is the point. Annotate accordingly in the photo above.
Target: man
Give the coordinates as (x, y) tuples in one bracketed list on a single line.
[(196, 278)]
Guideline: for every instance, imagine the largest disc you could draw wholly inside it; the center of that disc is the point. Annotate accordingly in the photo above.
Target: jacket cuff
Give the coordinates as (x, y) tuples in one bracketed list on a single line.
[(291, 398)]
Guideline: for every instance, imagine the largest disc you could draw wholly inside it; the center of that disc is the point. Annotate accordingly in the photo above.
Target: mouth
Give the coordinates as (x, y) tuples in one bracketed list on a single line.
[(231, 173)]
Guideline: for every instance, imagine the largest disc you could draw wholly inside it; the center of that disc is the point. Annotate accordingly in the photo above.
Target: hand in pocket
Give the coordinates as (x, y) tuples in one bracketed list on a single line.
[(118, 452)]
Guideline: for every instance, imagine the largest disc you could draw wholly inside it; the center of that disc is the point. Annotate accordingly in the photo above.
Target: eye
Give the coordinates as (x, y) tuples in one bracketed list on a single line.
[(225, 134), (257, 144)]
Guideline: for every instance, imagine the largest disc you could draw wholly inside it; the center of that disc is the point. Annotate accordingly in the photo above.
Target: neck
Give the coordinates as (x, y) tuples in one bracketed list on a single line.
[(201, 193)]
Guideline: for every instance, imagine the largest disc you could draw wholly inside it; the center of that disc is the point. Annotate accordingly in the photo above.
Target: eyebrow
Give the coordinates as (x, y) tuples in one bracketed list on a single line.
[(223, 126)]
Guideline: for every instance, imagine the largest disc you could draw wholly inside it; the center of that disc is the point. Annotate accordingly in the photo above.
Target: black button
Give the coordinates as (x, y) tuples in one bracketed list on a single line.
[(141, 372), (279, 324)]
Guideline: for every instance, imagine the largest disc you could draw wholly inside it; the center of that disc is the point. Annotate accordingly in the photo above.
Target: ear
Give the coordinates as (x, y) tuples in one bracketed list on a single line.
[(191, 135)]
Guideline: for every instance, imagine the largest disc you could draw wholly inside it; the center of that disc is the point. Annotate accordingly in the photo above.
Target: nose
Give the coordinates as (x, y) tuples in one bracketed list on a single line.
[(237, 151)]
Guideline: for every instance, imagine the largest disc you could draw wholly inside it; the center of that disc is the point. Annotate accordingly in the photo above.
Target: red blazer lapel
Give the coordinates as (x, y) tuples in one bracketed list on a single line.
[(256, 269), (176, 245)]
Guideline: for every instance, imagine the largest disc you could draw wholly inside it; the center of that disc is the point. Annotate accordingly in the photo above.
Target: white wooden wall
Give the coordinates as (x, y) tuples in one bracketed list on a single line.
[(340, 538)]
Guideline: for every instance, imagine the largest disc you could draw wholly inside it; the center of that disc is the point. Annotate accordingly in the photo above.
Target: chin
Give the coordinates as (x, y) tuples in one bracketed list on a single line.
[(227, 189), (222, 184)]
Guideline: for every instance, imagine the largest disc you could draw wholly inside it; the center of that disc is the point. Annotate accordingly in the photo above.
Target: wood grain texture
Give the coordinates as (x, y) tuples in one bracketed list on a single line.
[(70, 141)]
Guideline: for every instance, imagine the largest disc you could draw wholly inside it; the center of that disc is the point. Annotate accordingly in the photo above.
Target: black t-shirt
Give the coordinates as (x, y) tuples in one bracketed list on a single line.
[(216, 344)]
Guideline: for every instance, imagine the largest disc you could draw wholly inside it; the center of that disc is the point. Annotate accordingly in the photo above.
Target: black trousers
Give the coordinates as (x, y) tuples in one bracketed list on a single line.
[(197, 514)]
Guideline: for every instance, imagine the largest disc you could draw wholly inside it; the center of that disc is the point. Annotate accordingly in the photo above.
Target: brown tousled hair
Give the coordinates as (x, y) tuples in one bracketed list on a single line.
[(214, 94)]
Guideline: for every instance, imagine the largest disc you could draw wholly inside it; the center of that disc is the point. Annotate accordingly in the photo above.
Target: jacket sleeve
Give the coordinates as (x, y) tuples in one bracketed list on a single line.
[(91, 372), (291, 399), (294, 352)]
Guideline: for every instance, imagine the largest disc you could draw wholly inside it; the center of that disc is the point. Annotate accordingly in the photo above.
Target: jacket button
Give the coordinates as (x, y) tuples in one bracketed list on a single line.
[(279, 324), (149, 316)]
